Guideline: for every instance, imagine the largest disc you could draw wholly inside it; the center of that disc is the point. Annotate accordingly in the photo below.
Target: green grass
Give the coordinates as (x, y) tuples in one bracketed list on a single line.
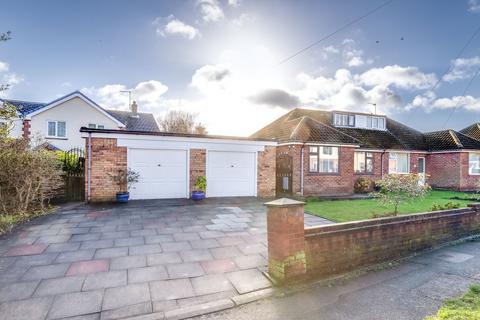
[(7, 222), (353, 210), (466, 307)]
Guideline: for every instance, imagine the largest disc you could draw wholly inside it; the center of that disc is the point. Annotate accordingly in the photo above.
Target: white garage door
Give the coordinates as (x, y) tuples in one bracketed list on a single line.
[(163, 173), (230, 174)]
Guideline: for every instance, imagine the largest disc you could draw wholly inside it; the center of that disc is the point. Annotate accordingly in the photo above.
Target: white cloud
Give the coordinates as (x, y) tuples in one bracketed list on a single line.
[(211, 79), (234, 3), (173, 26), (430, 102), (148, 95), (473, 6), (402, 77), (211, 10), (353, 57), (343, 92), (13, 79), (355, 62), (462, 68), (243, 19), (3, 66)]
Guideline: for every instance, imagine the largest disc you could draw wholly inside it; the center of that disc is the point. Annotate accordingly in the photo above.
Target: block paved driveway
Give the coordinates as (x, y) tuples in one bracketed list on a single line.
[(115, 261)]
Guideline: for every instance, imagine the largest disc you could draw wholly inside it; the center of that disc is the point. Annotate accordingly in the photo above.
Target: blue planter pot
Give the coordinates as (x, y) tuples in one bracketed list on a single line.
[(122, 197), (198, 195)]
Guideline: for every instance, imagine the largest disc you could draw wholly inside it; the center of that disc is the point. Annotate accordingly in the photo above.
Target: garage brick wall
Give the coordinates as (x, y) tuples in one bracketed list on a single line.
[(107, 160), (266, 172), (198, 163)]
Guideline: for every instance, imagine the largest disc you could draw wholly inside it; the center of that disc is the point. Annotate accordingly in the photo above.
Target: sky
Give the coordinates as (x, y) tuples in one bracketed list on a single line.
[(221, 59)]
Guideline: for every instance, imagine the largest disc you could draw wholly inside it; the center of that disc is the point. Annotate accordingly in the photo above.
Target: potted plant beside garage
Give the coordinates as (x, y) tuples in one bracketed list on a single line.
[(125, 179), (200, 188)]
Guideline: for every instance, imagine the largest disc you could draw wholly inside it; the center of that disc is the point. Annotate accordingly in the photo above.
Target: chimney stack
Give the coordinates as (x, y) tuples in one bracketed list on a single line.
[(134, 109)]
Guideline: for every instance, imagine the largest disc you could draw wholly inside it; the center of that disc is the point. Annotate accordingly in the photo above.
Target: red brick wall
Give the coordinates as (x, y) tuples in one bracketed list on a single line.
[(107, 160), (266, 166), (330, 184), (443, 170), (344, 247), (26, 129), (198, 163), (467, 182)]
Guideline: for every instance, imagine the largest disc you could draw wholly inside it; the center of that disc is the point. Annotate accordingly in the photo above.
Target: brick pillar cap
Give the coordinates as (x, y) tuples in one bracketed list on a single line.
[(284, 202)]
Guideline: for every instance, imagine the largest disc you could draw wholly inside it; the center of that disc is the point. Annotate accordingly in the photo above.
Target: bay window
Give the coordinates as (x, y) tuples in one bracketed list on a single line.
[(474, 163), (323, 159), (398, 163), (57, 129), (363, 162)]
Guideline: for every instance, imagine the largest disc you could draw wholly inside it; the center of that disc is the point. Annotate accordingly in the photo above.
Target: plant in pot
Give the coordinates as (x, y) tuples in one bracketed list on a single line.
[(125, 180), (200, 188)]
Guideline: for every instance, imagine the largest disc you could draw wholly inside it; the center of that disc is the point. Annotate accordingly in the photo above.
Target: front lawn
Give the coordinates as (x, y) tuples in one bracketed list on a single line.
[(465, 307), (353, 210)]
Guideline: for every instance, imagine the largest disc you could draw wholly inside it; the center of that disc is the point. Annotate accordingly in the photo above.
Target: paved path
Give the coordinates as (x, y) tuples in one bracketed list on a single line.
[(410, 291), (124, 260)]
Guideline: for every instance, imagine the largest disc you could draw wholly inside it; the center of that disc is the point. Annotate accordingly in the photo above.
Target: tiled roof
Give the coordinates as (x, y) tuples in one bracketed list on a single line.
[(397, 136), (25, 107), (472, 131), (450, 140), (143, 122), (306, 125)]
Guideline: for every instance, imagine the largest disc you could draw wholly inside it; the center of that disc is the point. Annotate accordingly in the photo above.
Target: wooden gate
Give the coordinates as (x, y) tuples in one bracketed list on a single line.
[(74, 173), (284, 175)]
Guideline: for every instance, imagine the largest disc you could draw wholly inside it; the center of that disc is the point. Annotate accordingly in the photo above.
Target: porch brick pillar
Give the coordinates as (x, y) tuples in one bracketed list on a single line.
[(286, 240)]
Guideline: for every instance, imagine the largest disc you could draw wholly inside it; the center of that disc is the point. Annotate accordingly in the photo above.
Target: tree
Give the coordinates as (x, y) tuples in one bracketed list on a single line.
[(396, 189), (178, 121)]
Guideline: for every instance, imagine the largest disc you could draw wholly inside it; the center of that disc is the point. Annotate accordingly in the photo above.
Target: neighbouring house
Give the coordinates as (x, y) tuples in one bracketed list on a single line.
[(59, 122), (324, 152)]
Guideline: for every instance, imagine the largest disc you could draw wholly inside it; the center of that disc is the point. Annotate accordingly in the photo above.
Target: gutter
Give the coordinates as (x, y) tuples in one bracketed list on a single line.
[(89, 166), (381, 162)]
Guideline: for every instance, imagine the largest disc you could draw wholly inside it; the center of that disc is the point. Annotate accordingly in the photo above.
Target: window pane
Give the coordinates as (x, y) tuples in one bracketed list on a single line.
[(92, 125), (402, 163), (329, 160), (327, 150), (474, 163), (369, 162), (313, 149), (101, 126), (313, 163), (61, 129), (375, 123), (369, 122), (51, 128), (351, 121), (381, 123), (359, 160)]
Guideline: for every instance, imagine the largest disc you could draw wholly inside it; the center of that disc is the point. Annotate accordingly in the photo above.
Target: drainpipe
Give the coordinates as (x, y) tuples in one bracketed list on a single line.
[(301, 169), (89, 165), (381, 162)]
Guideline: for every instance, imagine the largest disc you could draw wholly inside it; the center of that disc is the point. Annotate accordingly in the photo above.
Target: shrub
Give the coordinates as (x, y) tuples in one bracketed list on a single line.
[(396, 189), (363, 185), (29, 178), (447, 206), (201, 184), (126, 179)]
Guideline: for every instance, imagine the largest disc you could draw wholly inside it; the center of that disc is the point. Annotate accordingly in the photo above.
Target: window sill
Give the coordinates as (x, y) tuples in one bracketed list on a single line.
[(364, 173), (56, 138), (313, 174)]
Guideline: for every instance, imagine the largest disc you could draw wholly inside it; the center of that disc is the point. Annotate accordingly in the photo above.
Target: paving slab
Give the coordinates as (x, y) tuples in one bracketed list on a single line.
[(30, 309), (248, 280), (171, 289), (105, 280), (76, 304), (17, 291), (184, 270), (147, 274), (127, 295), (59, 286)]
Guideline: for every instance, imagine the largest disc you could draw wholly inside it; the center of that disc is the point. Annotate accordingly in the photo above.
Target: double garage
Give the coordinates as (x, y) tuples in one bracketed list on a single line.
[(168, 165)]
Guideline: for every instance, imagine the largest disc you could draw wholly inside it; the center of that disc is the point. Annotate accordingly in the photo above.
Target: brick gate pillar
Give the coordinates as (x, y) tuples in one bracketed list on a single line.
[(286, 240)]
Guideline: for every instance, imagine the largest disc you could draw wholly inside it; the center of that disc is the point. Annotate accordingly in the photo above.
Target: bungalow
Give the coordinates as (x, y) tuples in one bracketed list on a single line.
[(324, 152)]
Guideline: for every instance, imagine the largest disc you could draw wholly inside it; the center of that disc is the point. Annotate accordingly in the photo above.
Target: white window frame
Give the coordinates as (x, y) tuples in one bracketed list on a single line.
[(56, 136), (95, 126), (371, 120), (477, 165), (344, 120), (320, 155), (366, 156), (390, 158)]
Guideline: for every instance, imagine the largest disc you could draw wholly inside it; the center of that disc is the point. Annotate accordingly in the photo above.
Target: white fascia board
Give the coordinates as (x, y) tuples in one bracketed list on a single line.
[(332, 144), (169, 142), (72, 96)]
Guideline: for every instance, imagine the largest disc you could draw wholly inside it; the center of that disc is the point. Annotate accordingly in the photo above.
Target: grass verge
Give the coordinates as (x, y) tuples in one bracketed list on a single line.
[(353, 210), (466, 307), (7, 222)]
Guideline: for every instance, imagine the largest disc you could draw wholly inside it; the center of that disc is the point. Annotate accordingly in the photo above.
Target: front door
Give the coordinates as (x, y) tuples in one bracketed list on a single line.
[(421, 170)]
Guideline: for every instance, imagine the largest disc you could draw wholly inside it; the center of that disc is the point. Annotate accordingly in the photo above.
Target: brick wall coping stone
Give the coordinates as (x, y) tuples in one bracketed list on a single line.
[(284, 202), (348, 226)]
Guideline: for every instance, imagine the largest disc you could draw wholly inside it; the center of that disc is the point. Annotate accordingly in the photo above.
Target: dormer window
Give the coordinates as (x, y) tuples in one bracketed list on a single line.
[(374, 122), (344, 120)]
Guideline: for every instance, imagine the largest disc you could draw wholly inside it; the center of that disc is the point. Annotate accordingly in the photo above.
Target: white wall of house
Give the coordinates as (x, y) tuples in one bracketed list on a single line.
[(76, 113), (16, 131)]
